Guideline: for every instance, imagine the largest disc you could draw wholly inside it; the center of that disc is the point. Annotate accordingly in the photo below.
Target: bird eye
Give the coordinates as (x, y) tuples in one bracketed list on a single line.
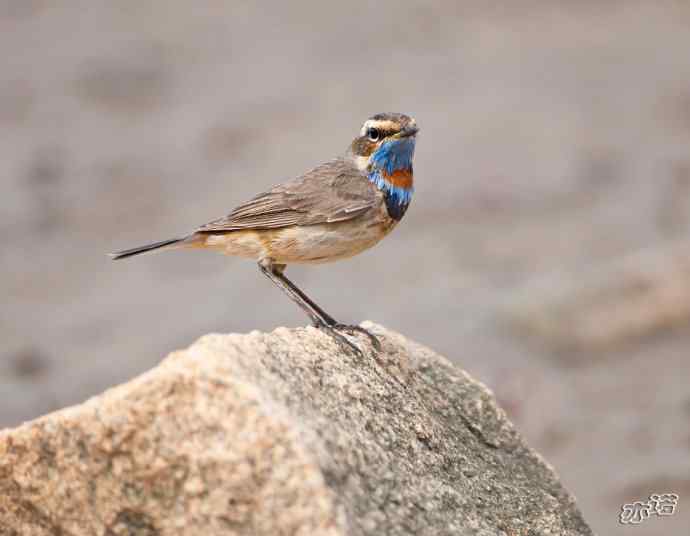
[(374, 134)]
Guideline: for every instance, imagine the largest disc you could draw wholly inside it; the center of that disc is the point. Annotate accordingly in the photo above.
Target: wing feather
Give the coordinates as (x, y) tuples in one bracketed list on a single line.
[(332, 192)]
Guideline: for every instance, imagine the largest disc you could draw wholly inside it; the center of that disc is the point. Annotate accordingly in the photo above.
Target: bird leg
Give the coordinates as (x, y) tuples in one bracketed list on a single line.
[(320, 318), (325, 318), (274, 273)]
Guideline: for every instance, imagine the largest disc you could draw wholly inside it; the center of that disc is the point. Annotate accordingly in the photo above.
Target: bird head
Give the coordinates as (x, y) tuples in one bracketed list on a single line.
[(386, 143), (383, 151)]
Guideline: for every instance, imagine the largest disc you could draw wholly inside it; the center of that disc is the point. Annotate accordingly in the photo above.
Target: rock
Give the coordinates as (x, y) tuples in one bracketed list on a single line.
[(283, 434)]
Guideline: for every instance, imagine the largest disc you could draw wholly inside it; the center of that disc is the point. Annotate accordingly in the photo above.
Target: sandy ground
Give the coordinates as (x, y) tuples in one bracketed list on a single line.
[(555, 148)]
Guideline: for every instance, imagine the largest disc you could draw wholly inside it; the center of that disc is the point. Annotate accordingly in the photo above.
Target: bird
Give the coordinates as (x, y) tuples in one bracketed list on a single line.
[(334, 211)]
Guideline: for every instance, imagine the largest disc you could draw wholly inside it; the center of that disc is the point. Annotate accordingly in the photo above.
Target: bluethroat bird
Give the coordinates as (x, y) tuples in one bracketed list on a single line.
[(334, 211)]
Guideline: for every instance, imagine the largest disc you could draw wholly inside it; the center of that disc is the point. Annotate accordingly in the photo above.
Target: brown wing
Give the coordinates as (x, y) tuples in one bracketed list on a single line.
[(332, 192)]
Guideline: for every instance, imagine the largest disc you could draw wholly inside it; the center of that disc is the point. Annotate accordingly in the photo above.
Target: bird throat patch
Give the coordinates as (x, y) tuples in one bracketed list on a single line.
[(390, 169)]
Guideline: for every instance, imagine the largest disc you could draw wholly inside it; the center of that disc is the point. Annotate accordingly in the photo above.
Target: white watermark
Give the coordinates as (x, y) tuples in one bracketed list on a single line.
[(659, 504)]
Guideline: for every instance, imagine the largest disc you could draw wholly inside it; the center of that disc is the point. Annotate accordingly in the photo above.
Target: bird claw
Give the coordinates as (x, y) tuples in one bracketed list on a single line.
[(358, 329), (341, 339)]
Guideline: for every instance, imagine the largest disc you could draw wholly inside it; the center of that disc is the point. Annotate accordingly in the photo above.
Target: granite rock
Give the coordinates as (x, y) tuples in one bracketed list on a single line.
[(283, 433)]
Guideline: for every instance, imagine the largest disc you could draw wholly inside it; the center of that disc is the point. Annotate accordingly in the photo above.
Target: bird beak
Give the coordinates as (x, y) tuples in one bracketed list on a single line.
[(409, 130)]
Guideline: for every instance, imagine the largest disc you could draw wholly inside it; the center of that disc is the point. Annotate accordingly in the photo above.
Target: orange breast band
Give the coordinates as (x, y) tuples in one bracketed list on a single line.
[(402, 178)]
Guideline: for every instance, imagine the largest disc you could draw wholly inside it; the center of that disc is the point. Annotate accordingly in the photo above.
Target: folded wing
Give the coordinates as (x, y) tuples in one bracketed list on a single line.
[(332, 192)]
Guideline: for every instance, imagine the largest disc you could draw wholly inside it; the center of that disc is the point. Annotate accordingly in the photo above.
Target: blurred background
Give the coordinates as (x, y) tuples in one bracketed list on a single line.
[(546, 252)]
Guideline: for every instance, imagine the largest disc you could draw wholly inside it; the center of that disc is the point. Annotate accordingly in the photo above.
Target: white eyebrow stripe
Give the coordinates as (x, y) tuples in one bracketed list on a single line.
[(382, 124)]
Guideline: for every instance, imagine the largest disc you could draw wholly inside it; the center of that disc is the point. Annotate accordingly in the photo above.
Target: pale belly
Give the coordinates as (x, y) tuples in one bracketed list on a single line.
[(309, 244)]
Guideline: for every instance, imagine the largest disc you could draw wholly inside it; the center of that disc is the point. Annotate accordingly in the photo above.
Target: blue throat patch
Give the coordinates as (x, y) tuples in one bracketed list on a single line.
[(392, 156)]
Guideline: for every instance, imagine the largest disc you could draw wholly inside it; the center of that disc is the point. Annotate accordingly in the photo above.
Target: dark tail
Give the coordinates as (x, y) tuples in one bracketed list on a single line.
[(144, 249)]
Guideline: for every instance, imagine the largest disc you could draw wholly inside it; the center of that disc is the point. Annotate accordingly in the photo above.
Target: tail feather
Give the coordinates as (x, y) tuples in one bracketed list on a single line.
[(143, 249)]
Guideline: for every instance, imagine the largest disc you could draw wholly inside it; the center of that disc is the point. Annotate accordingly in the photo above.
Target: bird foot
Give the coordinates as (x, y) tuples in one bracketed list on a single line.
[(341, 340), (358, 329)]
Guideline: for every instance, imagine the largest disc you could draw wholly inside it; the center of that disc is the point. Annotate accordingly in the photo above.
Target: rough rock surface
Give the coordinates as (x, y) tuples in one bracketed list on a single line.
[(283, 433)]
